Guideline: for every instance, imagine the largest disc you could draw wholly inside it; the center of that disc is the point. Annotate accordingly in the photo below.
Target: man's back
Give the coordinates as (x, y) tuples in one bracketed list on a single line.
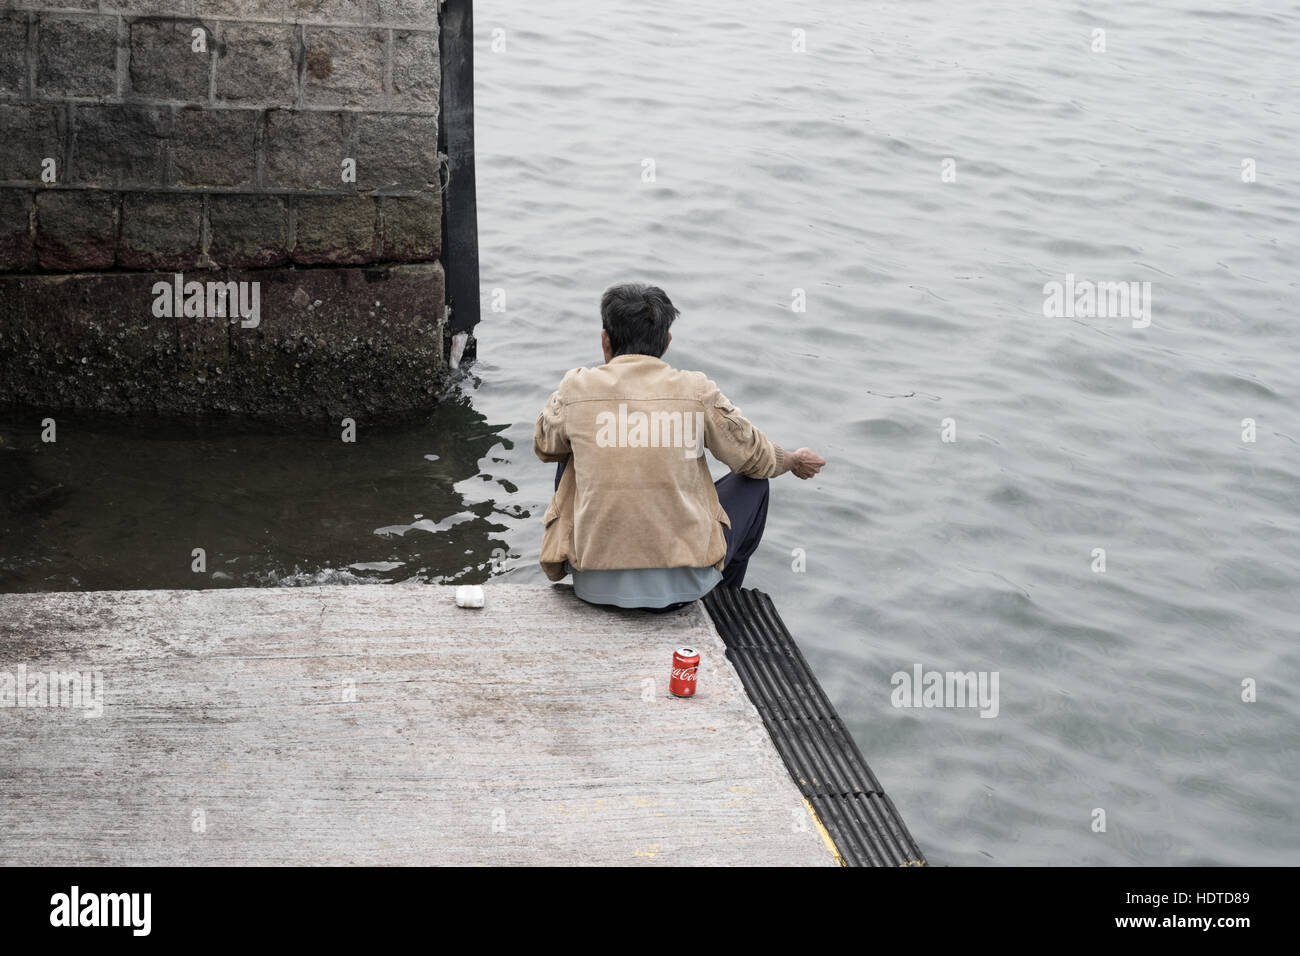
[(639, 493)]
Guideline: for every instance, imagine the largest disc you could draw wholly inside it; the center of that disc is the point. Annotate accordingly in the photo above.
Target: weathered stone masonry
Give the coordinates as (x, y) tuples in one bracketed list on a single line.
[(209, 137)]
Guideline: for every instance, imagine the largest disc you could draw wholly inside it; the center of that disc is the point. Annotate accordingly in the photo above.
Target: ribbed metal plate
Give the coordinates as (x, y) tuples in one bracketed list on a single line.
[(818, 750)]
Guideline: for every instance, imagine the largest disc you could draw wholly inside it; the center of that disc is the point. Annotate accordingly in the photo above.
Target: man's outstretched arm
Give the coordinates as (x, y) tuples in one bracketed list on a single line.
[(744, 449)]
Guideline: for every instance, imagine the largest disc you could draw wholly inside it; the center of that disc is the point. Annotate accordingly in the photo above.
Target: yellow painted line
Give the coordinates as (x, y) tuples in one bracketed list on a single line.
[(826, 837)]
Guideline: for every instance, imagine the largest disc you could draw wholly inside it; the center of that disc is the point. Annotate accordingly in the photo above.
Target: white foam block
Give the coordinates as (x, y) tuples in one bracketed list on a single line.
[(469, 595)]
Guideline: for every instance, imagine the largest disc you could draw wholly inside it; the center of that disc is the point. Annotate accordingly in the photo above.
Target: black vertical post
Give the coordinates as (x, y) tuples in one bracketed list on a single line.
[(456, 140)]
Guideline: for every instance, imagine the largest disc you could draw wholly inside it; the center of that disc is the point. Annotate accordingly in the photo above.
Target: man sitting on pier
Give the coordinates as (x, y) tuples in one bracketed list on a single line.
[(636, 518)]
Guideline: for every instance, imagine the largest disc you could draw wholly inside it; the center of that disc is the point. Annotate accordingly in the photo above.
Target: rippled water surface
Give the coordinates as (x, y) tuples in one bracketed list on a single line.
[(822, 171)]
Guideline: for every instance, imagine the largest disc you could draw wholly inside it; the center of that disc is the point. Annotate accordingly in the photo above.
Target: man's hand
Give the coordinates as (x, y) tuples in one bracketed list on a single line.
[(805, 463)]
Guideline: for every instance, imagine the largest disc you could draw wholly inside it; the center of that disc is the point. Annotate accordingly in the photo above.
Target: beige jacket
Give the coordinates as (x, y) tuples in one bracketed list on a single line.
[(637, 492)]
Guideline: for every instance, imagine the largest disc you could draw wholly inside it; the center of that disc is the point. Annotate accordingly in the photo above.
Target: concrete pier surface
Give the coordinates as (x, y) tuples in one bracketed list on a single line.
[(379, 725)]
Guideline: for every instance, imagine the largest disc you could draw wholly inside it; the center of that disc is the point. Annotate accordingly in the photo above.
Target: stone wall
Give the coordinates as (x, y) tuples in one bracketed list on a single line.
[(256, 141)]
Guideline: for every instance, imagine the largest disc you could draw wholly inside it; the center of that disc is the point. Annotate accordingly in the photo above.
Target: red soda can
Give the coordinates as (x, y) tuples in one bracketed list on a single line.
[(686, 665)]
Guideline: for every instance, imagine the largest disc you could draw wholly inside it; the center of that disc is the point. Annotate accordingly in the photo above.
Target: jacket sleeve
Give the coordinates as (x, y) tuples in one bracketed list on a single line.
[(735, 442), (550, 442)]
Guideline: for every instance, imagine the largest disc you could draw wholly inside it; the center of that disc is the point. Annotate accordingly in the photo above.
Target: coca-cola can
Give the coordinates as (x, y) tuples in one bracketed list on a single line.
[(686, 666)]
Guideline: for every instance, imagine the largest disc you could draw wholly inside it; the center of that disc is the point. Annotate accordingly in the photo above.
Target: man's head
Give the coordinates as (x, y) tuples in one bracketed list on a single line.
[(635, 318)]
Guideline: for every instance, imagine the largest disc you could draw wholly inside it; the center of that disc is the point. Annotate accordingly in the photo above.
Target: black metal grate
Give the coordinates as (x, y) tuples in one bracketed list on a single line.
[(819, 752)]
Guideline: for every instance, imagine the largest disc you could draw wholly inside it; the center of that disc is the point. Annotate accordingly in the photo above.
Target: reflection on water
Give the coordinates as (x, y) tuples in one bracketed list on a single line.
[(122, 504)]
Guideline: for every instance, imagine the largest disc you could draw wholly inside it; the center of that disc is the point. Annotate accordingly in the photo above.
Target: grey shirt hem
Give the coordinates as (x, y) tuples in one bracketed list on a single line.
[(643, 587)]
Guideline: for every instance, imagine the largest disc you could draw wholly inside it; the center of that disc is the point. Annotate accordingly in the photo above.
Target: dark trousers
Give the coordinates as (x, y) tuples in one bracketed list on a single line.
[(745, 501)]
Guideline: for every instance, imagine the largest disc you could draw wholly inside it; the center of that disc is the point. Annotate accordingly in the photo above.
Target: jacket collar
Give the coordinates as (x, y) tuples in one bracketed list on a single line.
[(648, 360)]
